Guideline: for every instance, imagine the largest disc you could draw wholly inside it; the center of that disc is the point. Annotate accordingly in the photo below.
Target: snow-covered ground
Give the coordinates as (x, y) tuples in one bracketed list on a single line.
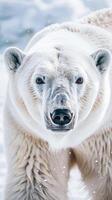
[(19, 20)]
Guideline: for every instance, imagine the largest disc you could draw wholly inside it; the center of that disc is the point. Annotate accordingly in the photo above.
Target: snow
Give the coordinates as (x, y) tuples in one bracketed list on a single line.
[(3, 82), (19, 20)]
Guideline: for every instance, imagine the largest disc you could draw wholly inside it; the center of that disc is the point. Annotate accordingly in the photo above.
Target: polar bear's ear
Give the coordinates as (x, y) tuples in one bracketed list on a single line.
[(102, 58), (13, 58)]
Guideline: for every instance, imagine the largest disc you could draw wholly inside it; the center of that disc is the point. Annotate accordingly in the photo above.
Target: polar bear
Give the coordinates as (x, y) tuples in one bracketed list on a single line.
[(58, 112)]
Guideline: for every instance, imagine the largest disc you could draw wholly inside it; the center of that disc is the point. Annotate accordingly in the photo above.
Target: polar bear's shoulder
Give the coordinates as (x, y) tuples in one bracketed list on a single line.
[(101, 18)]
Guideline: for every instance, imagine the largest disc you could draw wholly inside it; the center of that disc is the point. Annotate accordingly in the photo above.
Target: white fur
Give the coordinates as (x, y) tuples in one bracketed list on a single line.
[(26, 135), (32, 121)]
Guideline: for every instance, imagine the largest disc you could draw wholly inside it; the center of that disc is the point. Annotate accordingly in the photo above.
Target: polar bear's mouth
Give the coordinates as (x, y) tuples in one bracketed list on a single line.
[(60, 128)]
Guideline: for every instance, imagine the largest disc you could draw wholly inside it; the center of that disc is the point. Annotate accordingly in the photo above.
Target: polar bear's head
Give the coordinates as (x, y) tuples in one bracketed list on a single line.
[(59, 89)]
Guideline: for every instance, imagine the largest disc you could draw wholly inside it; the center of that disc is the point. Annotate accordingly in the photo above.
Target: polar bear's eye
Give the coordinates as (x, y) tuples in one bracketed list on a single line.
[(79, 80), (40, 80)]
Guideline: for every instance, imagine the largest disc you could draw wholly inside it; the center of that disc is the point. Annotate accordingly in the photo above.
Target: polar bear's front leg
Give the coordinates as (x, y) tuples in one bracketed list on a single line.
[(34, 172), (94, 160)]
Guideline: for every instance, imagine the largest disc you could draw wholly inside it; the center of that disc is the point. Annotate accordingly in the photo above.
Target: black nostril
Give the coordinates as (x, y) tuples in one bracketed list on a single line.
[(61, 116)]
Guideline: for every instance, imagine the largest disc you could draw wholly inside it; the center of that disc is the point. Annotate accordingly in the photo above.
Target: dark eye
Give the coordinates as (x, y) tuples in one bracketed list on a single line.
[(79, 80), (40, 80)]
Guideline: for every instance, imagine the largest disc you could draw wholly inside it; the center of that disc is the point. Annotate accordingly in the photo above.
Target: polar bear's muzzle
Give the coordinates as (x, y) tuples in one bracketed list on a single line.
[(60, 117)]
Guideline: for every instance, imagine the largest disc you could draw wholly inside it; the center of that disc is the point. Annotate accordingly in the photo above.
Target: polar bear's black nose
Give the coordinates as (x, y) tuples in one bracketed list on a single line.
[(61, 116)]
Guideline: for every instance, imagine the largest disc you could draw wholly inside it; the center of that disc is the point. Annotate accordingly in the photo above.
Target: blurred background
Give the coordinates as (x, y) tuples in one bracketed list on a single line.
[(19, 21)]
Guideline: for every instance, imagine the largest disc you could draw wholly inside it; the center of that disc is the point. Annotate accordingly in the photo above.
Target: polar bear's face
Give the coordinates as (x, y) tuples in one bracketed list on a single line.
[(56, 91)]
